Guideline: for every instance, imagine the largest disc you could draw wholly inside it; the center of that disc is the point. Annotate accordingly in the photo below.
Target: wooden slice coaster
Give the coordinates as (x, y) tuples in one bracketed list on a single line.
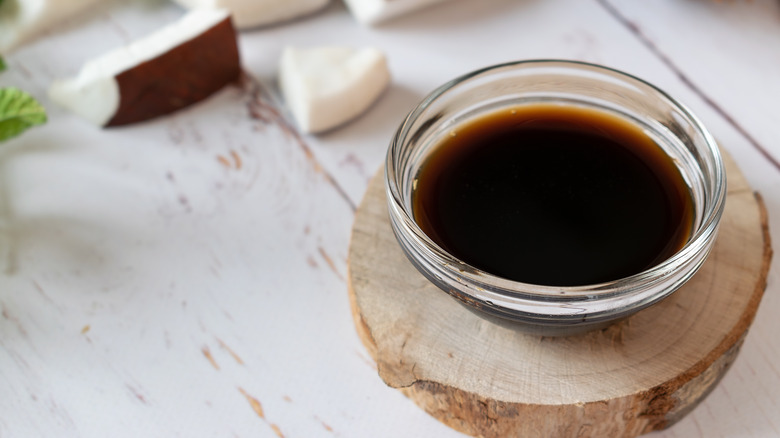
[(486, 380)]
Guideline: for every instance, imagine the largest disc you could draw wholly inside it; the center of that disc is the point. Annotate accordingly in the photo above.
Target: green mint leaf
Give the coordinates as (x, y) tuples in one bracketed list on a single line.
[(18, 111)]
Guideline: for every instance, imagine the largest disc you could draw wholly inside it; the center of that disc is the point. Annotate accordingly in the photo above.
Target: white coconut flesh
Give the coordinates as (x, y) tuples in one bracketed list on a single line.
[(23, 20), (253, 13), (376, 11), (94, 93), (327, 86)]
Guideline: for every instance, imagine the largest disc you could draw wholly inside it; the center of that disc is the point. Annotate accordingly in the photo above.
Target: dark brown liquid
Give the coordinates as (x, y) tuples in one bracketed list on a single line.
[(553, 195)]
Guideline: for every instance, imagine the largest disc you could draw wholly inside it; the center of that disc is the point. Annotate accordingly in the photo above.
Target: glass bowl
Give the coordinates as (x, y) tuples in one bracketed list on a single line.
[(551, 310)]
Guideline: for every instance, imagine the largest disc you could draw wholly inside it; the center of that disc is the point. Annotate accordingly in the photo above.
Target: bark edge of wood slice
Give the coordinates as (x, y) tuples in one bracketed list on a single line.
[(639, 375)]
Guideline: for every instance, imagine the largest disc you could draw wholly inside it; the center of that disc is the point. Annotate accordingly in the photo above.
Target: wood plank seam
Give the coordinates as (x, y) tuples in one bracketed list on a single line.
[(653, 48)]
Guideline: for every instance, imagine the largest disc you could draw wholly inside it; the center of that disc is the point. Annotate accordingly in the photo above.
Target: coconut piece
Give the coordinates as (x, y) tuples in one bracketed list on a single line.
[(174, 67), (327, 86), (375, 11), (22, 20), (253, 13)]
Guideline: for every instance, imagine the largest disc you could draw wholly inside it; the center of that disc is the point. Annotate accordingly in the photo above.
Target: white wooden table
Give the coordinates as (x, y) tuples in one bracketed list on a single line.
[(186, 276)]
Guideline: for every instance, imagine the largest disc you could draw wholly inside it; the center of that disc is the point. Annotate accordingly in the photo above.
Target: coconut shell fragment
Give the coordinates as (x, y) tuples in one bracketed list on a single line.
[(168, 70), (180, 77)]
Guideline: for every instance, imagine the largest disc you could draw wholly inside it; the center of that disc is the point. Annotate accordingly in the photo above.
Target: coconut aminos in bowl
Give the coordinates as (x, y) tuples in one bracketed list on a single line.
[(556, 195)]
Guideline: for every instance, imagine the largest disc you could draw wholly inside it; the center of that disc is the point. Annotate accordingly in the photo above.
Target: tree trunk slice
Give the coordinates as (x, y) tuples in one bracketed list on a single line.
[(641, 374)]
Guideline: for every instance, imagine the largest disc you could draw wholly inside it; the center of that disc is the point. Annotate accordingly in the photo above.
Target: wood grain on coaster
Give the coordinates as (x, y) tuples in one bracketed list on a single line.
[(641, 374)]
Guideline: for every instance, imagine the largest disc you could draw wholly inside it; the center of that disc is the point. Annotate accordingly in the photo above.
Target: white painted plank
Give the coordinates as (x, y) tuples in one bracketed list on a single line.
[(728, 49), (138, 252)]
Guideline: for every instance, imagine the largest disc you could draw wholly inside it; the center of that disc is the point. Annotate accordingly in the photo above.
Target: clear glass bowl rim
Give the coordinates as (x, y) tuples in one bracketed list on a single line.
[(700, 241)]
